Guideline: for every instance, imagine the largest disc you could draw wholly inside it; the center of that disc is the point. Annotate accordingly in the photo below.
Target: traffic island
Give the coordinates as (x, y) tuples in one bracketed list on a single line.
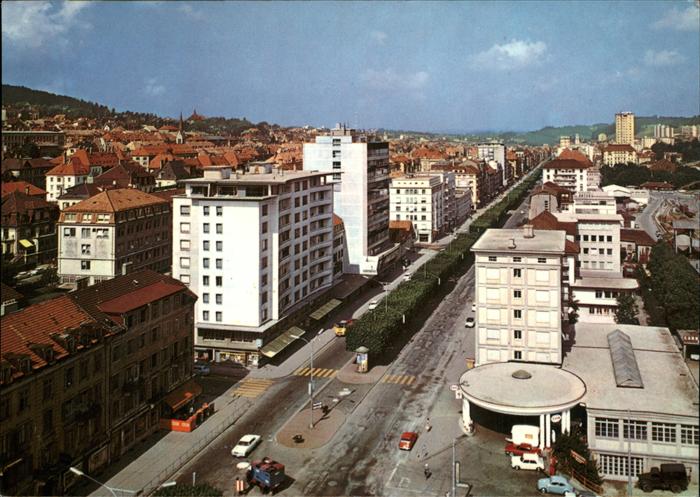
[(296, 433), (349, 374)]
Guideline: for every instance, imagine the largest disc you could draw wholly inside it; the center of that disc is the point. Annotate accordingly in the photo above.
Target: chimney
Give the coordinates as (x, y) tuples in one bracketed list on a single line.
[(528, 231), (511, 243)]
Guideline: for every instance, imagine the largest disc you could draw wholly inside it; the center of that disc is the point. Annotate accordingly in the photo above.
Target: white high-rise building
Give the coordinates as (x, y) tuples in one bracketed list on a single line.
[(624, 128), (519, 279), (254, 248), (494, 153), (360, 171)]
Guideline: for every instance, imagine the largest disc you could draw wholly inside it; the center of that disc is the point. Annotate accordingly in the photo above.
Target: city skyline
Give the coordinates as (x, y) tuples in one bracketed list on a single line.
[(441, 67)]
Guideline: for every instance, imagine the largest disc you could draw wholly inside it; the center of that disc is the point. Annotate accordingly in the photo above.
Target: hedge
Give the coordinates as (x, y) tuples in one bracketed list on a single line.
[(377, 328)]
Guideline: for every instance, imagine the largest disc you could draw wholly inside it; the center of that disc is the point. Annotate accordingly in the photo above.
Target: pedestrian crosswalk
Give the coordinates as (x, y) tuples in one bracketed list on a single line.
[(399, 379), (317, 372), (252, 388)]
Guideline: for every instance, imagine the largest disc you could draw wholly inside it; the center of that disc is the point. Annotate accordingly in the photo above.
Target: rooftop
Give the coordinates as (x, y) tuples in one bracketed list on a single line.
[(614, 283), (500, 240), (115, 201), (279, 178)]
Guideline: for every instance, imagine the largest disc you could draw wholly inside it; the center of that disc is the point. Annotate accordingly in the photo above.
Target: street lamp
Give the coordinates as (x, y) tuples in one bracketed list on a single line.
[(311, 375), (426, 273), (112, 490)]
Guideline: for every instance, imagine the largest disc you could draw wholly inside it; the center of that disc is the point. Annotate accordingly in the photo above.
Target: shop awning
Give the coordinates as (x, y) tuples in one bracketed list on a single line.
[(322, 311), (26, 243), (278, 344), (187, 392)]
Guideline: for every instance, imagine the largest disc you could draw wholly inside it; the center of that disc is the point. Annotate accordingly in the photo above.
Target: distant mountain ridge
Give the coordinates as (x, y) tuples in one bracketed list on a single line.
[(74, 107)]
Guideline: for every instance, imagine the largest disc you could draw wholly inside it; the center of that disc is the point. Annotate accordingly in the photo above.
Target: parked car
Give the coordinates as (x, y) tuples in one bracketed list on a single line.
[(23, 274), (408, 440), (246, 445), (201, 368), (469, 323), (341, 327), (407, 277), (554, 485), (474, 307), (671, 477), (373, 305), (527, 460), (513, 449)]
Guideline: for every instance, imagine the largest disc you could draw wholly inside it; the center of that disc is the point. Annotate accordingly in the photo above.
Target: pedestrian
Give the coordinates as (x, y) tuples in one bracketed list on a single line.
[(426, 471), (427, 425)]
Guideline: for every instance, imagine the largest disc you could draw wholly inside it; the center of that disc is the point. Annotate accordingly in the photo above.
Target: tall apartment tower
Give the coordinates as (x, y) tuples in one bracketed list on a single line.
[(360, 171), (522, 277), (624, 128), (254, 248)]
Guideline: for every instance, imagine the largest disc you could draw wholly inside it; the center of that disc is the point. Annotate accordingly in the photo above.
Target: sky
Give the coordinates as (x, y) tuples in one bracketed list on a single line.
[(424, 66)]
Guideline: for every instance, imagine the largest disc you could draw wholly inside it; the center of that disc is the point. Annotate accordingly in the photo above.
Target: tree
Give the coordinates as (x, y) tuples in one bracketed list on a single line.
[(627, 310), (189, 490), (30, 150), (576, 441), (573, 310)]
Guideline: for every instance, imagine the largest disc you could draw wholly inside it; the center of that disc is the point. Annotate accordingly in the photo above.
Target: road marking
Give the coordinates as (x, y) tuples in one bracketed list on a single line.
[(252, 388), (317, 372), (399, 379)]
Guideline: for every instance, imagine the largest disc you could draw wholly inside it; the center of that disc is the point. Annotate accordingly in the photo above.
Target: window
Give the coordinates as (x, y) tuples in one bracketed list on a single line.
[(219, 246), (184, 244), (541, 260), (264, 210), (585, 250), (205, 280), (599, 294), (607, 428), (517, 334), (205, 227), (492, 258), (85, 249), (493, 334), (185, 278), (517, 273), (184, 210), (617, 465), (663, 432), (69, 379), (205, 298), (85, 233), (517, 314), (205, 210), (609, 251), (47, 390), (205, 315), (585, 238), (610, 238), (689, 435), (517, 259), (205, 263), (594, 238), (517, 355), (219, 298), (85, 265), (184, 262), (219, 263), (634, 430), (219, 210), (264, 227), (219, 228), (219, 281), (184, 227), (219, 316), (205, 245), (517, 294), (69, 232)]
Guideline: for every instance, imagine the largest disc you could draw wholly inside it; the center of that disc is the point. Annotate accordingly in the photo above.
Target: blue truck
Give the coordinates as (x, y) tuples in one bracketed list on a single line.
[(266, 474)]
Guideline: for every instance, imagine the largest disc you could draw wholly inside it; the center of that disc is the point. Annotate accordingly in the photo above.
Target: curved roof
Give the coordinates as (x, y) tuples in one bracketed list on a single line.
[(548, 389)]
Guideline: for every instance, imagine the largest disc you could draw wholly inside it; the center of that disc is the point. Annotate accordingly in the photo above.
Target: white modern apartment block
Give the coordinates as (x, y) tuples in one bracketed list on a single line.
[(624, 128), (360, 171), (427, 200), (495, 152), (519, 278), (254, 248), (569, 173), (593, 202)]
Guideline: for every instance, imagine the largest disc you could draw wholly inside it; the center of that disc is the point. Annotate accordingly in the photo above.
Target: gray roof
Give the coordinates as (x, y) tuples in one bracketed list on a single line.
[(499, 240), (623, 360)]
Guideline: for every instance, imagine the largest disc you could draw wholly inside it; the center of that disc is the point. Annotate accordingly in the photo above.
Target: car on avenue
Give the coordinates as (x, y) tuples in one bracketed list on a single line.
[(512, 449), (527, 460), (373, 305), (408, 440), (469, 323), (201, 368), (341, 327), (554, 485), (407, 277), (246, 445)]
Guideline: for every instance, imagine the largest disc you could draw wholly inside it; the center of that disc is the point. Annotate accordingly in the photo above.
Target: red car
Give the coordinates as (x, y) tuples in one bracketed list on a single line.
[(520, 449), (408, 440)]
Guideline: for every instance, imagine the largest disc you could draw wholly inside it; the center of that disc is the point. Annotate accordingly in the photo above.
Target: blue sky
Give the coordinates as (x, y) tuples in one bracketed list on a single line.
[(428, 66)]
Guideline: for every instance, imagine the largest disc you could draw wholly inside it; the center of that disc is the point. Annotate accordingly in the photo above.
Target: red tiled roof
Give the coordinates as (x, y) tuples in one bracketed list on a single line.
[(571, 247), (568, 154), (74, 167), (617, 147), (22, 186), (337, 221), (566, 164), (657, 184), (401, 225), (139, 297), (8, 293), (115, 201), (638, 237), (17, 204), (547, 221), (663, 165)]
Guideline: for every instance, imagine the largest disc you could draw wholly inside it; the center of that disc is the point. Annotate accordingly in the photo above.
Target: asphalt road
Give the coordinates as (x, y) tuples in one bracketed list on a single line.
[(363, 457)]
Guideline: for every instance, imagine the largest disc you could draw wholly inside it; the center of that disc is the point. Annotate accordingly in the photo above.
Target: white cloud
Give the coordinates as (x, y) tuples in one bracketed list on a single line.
[(389, 79), (153, 88), (513, 55), (379, 36), (662, 58), (191, 12), (687, 19), (32, 24)]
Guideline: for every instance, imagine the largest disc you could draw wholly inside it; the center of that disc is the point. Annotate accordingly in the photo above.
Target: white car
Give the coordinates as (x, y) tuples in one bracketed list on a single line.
[(527, 461), (473, 307), (407, 277), (373, 305), (469, 323), (246, 445)]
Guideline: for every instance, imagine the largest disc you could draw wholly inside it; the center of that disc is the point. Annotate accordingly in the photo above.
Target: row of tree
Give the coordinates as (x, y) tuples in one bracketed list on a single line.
[(635, 175)]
